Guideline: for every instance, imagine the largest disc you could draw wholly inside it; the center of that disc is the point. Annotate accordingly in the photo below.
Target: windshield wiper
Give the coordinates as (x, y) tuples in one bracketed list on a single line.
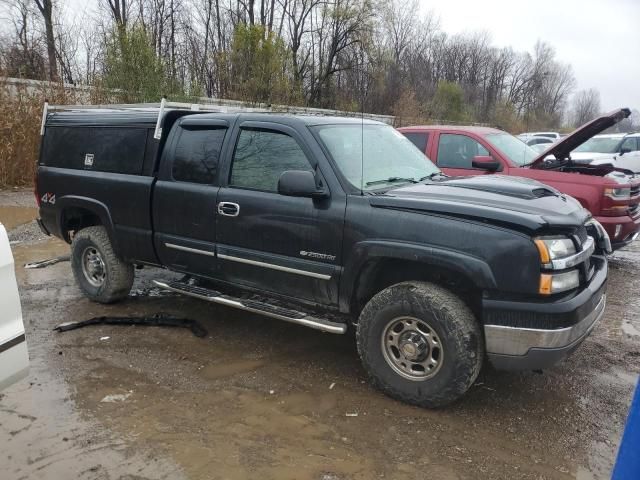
[(433, 175), (391, 180)]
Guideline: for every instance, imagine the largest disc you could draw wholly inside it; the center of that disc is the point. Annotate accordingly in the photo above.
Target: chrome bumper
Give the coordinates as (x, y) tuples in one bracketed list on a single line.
[(512, 341)]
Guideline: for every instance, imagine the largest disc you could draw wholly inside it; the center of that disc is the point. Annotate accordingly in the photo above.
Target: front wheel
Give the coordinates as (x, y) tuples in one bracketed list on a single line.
[(100, 274), (420, 343)]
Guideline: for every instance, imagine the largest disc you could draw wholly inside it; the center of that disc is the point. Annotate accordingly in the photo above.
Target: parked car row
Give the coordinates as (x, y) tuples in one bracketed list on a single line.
[(333, 223), (611, 195), (622, 150)]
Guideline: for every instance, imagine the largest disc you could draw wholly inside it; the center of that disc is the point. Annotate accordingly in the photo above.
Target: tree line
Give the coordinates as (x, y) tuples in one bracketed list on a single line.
[(378, 56)]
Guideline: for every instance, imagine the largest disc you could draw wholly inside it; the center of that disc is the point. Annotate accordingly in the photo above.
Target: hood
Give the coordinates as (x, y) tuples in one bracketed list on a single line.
[(564, 147), (522, 202)]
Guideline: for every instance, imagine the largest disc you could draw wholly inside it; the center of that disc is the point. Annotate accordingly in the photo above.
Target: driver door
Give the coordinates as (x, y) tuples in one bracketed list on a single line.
[(456, 152), (271, 242)]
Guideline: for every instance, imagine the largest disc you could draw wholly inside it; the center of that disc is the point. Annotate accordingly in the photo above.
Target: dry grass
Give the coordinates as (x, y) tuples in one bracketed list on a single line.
[(19, 136), (20, 119)]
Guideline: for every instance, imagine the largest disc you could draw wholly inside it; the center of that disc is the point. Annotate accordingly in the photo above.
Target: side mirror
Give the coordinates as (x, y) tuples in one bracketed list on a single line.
[(625, 150), (300, 183), (486, 162)]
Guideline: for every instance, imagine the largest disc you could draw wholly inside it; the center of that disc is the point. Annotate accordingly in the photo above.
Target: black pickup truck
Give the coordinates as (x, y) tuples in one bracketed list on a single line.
[(330, 223)]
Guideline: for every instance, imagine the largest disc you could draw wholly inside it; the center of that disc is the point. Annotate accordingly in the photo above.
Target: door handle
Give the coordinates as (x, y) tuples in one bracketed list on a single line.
[(229, 209)]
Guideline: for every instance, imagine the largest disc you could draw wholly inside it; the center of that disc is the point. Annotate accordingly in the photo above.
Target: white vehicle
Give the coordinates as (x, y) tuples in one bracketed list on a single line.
[(529, 135), (623, 150), (629, 156), (540, 147), (544, 141), (14, 358)]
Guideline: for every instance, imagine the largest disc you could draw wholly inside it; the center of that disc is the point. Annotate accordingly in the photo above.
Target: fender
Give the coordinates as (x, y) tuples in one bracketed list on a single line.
[(92, 205), (472, 268)]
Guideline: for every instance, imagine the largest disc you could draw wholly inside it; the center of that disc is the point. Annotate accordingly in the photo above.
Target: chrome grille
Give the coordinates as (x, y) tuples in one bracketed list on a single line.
[(582, 235)]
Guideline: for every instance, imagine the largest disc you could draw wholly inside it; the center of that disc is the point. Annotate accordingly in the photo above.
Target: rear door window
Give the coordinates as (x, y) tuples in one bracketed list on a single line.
[(197, 154), (457, 151), (419, 139), (630, 144)]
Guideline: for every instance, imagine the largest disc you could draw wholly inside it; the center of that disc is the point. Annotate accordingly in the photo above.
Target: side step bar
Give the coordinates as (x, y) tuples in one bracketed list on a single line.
[(254, 307)]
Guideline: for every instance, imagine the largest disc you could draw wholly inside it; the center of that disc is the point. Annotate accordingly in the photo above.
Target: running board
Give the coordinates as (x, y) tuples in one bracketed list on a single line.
[(254, 306)]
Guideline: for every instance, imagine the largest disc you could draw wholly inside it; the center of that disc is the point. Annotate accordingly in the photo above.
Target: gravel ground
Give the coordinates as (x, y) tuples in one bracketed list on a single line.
[(258, 398)]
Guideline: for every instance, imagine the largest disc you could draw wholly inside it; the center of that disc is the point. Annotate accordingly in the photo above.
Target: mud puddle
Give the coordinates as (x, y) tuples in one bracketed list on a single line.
[(43, 432), (45, 436), (12, 216)]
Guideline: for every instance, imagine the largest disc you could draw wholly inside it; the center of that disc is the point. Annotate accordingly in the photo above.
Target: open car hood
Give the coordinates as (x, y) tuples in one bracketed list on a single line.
[(562, 149)]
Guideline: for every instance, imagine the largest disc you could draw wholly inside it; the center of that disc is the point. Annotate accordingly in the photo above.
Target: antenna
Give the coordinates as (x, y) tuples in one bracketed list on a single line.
[(362, 132)]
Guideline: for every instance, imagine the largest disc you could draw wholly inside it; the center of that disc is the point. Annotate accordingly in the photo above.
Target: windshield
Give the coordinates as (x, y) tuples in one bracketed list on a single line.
[(540, 147), (600, 145), (388, 157), (513, 148)]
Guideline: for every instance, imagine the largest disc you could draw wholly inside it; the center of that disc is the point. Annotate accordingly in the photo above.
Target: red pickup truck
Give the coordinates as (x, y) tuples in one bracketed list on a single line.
[(610, 194)]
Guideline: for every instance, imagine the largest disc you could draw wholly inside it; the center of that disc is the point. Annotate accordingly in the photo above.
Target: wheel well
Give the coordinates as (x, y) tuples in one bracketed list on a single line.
[(380, 274), (75, 219)]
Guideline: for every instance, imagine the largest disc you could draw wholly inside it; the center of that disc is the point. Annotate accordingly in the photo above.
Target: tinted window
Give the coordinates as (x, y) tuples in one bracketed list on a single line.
[(457, 151), (104, 149), (629, 144), (197, 154), (261, 156), (418, 139)]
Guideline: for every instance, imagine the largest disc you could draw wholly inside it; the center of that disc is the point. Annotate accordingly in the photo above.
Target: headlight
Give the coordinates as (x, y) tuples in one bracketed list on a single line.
[(559, 282), (554, 248), (618, 193), (600, 234)]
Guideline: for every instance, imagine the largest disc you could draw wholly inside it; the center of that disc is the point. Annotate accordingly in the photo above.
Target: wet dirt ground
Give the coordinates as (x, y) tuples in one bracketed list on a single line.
[(257, 398)]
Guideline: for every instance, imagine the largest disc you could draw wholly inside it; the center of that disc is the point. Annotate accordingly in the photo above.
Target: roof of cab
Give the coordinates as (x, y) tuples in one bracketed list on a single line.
[(148, 117)]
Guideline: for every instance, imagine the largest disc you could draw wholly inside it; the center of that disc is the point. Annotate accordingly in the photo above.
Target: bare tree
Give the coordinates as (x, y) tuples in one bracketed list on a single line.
[(379, 55), (586, 106), (46, 10), (120, 12)]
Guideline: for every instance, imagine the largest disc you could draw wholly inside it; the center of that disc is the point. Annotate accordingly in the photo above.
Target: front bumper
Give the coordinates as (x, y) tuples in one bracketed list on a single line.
[(531, 336), (628, 229)]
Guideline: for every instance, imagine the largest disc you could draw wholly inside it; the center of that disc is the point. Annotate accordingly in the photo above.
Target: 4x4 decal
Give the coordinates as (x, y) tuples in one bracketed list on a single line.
[(49, 198)]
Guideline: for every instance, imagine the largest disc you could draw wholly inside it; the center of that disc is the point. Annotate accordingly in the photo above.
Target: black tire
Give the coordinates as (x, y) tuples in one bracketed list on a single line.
[(117, 276), (456, 331)]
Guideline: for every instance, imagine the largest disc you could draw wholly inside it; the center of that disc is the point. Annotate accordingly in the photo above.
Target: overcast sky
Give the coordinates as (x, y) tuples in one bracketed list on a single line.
[(600, 39)]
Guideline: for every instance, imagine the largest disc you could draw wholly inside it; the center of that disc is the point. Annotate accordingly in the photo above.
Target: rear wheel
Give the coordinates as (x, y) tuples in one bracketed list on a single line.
[(420, 343), (100, 274)]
